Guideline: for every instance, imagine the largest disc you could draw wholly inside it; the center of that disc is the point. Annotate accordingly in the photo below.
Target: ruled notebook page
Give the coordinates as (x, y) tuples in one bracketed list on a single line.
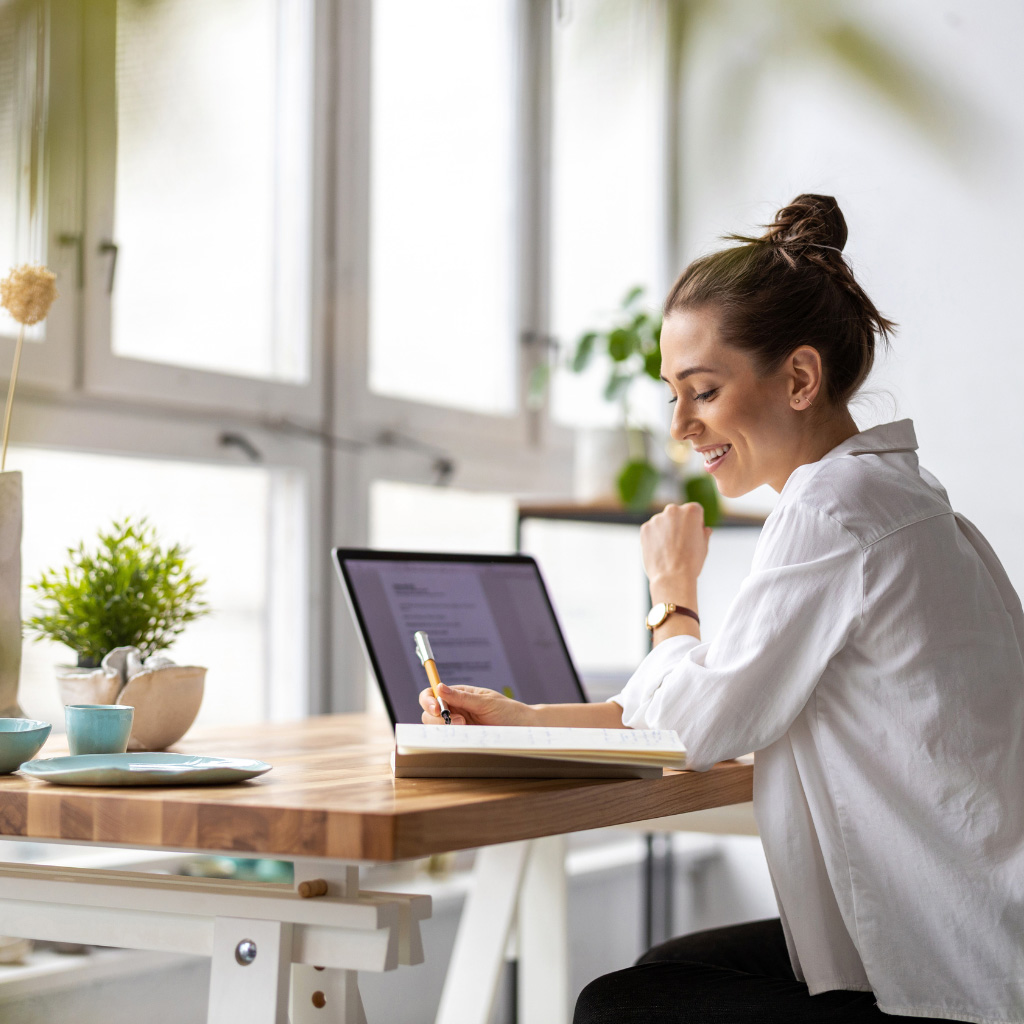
[(616, 746)]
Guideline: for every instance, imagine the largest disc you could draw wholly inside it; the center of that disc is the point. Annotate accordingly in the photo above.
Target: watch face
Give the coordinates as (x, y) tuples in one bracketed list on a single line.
[(657, 615)]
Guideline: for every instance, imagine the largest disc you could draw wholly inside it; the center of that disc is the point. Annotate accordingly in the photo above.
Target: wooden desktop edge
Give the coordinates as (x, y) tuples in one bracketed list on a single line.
[(368, 815)]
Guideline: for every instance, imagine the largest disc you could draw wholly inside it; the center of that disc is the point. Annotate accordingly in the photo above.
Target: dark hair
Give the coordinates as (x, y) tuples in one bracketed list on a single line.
[(790, 287)]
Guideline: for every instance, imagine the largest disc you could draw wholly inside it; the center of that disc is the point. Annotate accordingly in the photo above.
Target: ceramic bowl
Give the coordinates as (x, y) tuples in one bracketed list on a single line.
[(20, 740), (166, 700)]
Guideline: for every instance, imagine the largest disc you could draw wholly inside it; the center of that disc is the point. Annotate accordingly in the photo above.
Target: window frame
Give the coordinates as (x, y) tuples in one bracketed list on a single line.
[(78, 396), (52, 363), (108, 374), (536, 455)]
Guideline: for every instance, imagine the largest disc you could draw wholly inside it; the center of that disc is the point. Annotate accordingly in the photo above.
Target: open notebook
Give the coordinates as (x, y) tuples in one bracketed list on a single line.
[(484, 751)]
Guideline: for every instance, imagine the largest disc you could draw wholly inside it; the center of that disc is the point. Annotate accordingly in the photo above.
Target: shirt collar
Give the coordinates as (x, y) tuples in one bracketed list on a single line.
[(898, 436)]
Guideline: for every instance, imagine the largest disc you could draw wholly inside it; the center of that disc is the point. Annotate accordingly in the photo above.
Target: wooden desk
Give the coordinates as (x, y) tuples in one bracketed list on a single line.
[(329, 803)]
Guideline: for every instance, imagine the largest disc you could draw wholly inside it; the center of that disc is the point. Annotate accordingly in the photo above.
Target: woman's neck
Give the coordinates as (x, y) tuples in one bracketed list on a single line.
[(818, 439)]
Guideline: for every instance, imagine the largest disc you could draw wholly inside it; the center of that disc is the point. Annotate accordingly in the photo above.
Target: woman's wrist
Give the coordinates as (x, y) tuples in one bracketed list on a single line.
[(677, 589)]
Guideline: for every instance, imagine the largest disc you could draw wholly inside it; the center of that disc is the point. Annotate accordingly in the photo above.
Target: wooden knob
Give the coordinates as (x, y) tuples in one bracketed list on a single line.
[(319, 1000), (314, 887)]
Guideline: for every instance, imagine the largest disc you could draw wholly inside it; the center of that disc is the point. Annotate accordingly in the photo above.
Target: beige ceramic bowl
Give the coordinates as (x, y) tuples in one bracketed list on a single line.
[(166, 700)]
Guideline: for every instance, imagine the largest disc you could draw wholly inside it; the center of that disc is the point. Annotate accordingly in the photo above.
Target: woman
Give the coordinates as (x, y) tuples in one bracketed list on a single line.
[(872, 659)]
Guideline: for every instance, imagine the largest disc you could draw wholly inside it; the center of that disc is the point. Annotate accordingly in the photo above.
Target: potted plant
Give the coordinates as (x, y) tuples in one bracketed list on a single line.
[(631, 347), (117, 607)]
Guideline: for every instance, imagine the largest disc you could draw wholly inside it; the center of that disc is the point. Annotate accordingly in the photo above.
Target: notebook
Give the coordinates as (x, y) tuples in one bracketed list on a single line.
[(477, 751), (489, 618)]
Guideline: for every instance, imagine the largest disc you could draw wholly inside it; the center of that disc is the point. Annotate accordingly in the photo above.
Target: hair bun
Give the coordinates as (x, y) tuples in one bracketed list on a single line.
[(808, 220)]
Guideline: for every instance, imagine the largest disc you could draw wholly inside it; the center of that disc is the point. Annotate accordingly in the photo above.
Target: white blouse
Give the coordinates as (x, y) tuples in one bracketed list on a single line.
[(873, 660)]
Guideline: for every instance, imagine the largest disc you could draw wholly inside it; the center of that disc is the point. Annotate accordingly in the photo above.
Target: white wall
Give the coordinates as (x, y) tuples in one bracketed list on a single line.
[(935, 233)]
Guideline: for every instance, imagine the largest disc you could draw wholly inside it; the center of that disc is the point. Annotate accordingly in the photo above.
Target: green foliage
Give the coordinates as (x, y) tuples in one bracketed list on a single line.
[(632, 344), (637, 483), (632, 347), (127, 592), (702, 489)]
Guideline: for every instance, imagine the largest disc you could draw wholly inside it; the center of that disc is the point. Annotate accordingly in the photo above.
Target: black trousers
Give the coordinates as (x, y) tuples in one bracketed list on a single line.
[(723, 976)]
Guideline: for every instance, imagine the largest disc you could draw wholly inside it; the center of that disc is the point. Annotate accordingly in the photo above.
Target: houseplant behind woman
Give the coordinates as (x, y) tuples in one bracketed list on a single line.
[(872, 659)]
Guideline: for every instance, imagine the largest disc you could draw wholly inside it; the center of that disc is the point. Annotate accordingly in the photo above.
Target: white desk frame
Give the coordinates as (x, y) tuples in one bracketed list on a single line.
[(308, 951)]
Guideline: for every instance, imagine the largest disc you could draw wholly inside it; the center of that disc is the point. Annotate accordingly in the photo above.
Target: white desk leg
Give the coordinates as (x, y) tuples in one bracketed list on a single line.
[(543, 991), (479, 954), (249, 972), (326, 995)]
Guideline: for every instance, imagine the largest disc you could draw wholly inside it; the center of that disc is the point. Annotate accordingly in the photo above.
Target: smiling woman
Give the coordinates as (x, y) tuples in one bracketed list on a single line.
[(873, 659)]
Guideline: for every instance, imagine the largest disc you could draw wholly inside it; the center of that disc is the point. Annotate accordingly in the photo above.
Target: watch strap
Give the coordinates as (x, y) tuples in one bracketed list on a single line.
[(671, 608)]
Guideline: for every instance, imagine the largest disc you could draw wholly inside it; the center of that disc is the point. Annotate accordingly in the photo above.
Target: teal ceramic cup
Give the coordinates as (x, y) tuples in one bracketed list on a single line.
[(98, 728), (20, 740)]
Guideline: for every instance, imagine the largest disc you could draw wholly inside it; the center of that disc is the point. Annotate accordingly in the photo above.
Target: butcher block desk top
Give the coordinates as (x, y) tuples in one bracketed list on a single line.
[(331, 794)]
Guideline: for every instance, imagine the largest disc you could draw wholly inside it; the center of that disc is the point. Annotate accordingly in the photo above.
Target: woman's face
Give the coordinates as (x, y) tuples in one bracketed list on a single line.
[(721, 402)]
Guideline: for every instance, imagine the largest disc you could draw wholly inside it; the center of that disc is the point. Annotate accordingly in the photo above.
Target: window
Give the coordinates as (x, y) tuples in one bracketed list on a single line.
[(22, 167), (444, 204), (608, 198), (219, 189), (213, 185), (38, 177), (199, 234)]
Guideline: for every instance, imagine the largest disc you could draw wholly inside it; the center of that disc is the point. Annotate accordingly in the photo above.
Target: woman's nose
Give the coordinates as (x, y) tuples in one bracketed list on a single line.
[(683, 426)]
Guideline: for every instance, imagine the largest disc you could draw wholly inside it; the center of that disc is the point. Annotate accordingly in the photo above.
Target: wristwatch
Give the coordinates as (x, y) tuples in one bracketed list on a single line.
[(661, 611)]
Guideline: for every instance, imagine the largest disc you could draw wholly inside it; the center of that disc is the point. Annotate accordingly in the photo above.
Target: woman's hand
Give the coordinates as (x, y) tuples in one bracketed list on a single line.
[(474, 705), (674, 544)]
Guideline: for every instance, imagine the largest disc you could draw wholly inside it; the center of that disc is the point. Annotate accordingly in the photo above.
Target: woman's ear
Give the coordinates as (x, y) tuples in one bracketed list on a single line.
[(803, 369)]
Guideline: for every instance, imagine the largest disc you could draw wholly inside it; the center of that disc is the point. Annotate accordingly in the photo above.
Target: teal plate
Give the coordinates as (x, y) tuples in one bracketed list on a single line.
[(143, 770)]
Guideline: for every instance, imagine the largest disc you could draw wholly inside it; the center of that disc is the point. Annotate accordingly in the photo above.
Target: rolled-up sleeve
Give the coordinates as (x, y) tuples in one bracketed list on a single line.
[(741, 690)]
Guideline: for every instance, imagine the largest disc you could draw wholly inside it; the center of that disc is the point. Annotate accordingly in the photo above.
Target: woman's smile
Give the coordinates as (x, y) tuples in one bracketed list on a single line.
[(714, 455)]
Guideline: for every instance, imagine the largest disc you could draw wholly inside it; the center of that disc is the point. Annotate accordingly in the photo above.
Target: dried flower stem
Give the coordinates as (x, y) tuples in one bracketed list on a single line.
[(10, 395)]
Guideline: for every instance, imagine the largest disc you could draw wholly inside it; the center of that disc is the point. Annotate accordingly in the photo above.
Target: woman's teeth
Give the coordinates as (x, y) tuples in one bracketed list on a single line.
[(716, 453)]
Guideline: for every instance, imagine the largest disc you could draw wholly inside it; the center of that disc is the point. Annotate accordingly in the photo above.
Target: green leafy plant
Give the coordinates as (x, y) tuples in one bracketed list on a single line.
[(632, 347), (129, 591)]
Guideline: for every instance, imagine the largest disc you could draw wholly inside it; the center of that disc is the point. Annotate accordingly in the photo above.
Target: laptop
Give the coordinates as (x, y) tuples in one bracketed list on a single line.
[(489, 618)]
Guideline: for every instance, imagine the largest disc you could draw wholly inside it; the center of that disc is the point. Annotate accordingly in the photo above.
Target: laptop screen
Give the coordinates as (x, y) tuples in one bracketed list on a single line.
[(489, 619)]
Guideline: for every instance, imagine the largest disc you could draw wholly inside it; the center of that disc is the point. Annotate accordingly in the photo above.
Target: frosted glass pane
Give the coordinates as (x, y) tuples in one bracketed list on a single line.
[(411, 517), (23, 83), (607, 181), (69, 496), (442, 315), (212, 209)]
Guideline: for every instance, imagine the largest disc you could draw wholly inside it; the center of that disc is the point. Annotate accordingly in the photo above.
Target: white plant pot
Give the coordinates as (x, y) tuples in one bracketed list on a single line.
[(10, 593), (600, 454)]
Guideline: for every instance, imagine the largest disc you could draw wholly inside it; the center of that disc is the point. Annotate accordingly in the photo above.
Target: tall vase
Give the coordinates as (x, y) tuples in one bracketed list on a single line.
[(10, 593)]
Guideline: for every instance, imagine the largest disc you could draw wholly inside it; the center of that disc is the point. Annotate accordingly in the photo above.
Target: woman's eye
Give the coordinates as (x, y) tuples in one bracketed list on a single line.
[(706, 396), (673, 400)]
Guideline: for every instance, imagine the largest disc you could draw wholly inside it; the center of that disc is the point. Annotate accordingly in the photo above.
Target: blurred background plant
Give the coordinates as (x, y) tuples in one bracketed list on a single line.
[(630, 347), (709, 117), (129, 592)]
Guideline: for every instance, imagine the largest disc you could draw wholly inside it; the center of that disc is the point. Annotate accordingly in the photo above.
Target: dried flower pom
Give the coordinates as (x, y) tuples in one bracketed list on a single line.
[(28, 292)]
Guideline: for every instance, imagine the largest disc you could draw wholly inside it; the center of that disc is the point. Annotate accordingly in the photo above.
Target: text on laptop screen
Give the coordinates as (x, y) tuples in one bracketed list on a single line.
[(490, 624)]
